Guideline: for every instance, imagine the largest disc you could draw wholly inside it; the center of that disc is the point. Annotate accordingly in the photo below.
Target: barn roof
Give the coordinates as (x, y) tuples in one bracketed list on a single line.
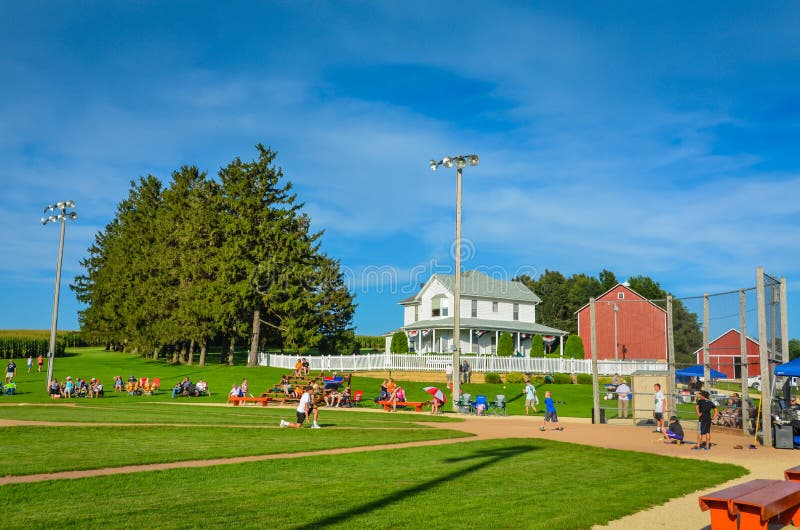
[(627, 289)]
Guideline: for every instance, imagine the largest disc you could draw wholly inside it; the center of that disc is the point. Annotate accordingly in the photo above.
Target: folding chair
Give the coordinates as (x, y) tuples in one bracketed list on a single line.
[(498, 405), (481, 405), (357, 395), (463, 404)]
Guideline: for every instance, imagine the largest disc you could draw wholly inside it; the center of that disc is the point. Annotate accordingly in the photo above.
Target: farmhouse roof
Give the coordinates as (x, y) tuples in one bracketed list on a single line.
[(477, 284), (486, 324)]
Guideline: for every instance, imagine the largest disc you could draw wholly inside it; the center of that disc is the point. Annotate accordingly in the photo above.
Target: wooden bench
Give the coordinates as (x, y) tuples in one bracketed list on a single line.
[(752, 504), (387, 405), (237, 400), (757, 508), (792, 474)]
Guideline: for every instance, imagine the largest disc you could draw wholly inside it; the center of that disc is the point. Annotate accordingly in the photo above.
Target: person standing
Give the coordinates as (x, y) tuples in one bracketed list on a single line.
[(30, 363), (658, 407), (467, 369), (40, 361), (304, 411), (551, 415), (531, 400), (623, 395), (11, 370), (703, 409), (448, 372)]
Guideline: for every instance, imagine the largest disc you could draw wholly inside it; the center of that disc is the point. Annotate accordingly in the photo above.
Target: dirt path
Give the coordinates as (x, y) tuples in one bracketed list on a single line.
[(762, 462)]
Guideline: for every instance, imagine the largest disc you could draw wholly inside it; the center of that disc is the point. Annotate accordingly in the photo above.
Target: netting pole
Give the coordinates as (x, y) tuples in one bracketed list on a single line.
[(670, 359), (784, 323), (706, 360), (595, 385), (766, 380), (745, 360)]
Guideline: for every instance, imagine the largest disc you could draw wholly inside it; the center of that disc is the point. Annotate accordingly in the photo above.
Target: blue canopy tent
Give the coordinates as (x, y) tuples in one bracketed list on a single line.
[(698, 371), (790, 369)]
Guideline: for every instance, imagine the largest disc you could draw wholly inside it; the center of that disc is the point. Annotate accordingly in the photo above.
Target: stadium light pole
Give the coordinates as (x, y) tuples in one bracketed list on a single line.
[(61, 216), (460, 161)]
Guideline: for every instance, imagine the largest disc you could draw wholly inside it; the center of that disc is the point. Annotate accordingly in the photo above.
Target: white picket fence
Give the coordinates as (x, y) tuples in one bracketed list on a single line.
[(478, 363)]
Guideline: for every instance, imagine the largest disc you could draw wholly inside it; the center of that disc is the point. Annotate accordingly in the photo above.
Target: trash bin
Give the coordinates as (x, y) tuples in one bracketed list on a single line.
[(602, 415)]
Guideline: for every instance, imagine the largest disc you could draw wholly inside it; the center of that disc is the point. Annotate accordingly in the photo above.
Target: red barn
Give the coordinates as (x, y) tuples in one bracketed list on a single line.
[(724, 354), (628, 326)]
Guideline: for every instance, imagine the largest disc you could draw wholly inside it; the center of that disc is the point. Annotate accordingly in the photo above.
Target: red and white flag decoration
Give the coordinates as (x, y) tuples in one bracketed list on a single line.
[(479, 333), (412, 333), (426, 332)]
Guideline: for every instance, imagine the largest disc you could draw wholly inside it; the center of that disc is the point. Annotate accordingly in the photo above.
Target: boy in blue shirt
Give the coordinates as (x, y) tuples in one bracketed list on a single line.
[(550, 413)]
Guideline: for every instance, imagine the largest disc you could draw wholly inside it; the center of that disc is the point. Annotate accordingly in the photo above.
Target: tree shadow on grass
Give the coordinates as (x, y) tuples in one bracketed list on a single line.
[(483, 459)]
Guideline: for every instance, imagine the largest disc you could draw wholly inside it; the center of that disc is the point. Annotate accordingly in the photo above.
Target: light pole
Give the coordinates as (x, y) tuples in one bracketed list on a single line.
[(460, 161), (61, 216), (616, 340)]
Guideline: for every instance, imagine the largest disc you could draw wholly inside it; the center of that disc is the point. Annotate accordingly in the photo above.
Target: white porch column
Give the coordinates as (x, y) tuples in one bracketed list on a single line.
[(470, 341), (518, 340), (561, 345), (496, 340), (433, 340)]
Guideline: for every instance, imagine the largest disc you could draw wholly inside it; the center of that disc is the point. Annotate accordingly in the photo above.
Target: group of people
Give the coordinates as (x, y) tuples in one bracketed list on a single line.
[(78, 388), (302, 367), (334, 398), (187, 388), (464, 373), (391, 391), (135, 386), (236, 390)]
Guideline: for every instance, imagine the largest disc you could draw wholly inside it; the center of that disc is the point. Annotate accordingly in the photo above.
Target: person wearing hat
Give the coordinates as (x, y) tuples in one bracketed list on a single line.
[(69, 388), (673, 434), (305, 409), (703, 409)]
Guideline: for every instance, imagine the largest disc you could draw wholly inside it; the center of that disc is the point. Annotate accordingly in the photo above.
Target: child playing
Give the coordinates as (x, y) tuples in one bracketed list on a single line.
[(550, 413), (703, 409), (674, 432)]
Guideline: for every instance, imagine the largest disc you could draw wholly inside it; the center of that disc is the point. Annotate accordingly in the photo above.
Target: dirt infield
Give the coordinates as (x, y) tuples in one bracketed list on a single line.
[(762, 462)]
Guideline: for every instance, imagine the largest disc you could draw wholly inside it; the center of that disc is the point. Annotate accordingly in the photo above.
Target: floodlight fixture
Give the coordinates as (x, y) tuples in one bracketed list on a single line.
[(62, 216)]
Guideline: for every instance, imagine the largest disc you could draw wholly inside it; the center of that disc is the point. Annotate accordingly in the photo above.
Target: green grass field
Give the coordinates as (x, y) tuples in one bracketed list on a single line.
[(492, 484), (474, 484)]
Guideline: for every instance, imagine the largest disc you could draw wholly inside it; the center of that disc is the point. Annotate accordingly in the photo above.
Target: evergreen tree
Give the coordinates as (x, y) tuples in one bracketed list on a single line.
[(574, 347), (202, 261), (505, 345), (399, 342), (537, 346)]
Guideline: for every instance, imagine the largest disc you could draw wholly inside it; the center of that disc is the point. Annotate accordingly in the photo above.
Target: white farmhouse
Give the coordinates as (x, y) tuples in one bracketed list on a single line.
[(489, 307)]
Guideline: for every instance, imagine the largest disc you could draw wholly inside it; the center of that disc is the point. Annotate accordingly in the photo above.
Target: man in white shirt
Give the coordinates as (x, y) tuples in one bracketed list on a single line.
[(305, 409), (623, 395), (658, 407)]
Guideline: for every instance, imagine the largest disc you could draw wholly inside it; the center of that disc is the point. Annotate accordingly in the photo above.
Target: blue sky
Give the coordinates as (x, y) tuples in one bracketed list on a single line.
[(647, 138)]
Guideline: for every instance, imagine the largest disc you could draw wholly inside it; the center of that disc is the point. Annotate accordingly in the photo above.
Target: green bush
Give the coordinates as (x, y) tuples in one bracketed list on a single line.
[(537, 380), (584, 379), (537, 346), (562, 379), (505, 345), (399, 342), (574, 347), (493, 378), (515, 377)]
